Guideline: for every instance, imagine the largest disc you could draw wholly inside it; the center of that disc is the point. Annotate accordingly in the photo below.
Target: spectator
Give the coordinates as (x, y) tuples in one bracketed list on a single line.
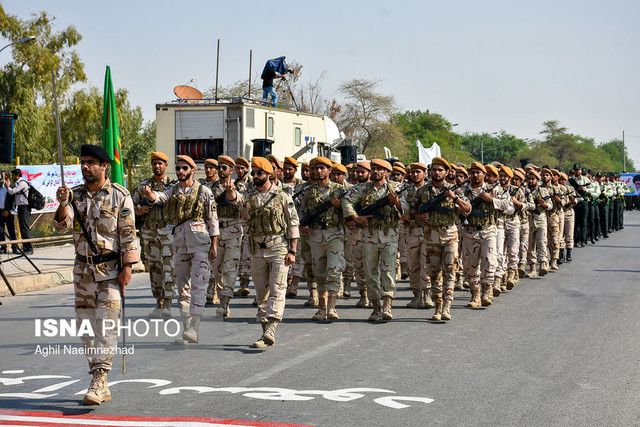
[(20, 190), (7, 228)]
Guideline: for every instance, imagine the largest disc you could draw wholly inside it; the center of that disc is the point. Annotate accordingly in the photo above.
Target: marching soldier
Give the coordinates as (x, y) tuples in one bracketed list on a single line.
[(607, 192), (594, 213), (569, 219), (289, 181), (538, 224), (462, 176), (582, 205), (273, 237), (553, 219), (104, 238), (512, 224), (244, 272), (192, 212), (157, 238), (397, 175), (339, 175), (211, 180), (362, 172), (492, 179)]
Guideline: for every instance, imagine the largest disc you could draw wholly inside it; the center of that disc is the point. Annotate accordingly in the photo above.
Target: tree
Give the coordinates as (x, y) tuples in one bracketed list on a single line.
[(501, 148), (238, 89)]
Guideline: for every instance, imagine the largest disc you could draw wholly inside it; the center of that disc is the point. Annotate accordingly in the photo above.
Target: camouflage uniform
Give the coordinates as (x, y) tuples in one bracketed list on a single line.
[(419, 281), (538, 233), (303, 251), (501, 259), (110, 222), (157, 238), (244, 270), (512, 236), (553, 225), (568, 220)]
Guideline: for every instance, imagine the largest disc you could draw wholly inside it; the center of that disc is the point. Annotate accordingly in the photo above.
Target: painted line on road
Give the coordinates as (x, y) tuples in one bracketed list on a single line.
[(290, 363)]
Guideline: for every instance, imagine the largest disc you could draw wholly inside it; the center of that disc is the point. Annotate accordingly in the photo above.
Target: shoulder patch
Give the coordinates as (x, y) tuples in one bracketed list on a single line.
[(125, 212), (120, 188)]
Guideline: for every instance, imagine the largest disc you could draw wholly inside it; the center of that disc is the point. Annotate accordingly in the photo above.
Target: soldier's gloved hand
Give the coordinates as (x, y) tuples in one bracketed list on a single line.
[(289, 259)]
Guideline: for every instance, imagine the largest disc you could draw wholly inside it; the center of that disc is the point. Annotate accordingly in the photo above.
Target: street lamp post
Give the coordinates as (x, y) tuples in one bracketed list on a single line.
[(482, 146), (24, 40)]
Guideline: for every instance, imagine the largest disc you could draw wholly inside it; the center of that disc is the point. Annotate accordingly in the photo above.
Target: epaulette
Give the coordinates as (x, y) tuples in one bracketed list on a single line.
[(121, 188)]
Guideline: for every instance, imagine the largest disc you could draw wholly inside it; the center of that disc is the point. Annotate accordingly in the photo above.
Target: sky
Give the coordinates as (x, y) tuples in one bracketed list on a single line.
[(487, 65)]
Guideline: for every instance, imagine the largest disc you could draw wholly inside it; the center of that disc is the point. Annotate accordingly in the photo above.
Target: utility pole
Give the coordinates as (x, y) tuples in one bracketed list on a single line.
[(624, 155)]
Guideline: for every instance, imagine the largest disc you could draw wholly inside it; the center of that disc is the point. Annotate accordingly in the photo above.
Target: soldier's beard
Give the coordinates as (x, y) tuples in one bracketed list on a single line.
[(186, 177), (438, 180), (259, 182)]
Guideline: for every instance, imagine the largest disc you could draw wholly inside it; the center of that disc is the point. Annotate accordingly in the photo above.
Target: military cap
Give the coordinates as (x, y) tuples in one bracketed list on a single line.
[(95, 151), (531, 166), (399, 169), (520, 170), (275, 160), (546, 169), (477, 165), (322, 161), (534, 173), (226, 160), (563, 175), (506, 169), (518, 174), (242, 161), (349, 166), (555, 172), (305, 165), (577, 166), (158, 155), (440, 161), (463, 170), (291, 161), (399, 164), (599, 175), (366, 165), (261, 163), (381, 164), (211, 162), (491, 169), (186, 159), (418, 165), (339, 168)]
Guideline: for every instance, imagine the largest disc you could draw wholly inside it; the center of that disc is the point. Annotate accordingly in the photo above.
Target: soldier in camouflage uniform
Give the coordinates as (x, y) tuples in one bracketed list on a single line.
[(524, 225), (440, 247), (192, 212), (538, 224), (211, 180), (326, 237), (553, 218), (157, 238), (513, 222), (462, 176), (492, 178), (302, 264), (289, 185), (568, 218), (379, 236), (106, 210), (338, 175), (244, 272), (397, 175), (273, 237), (362, 172)]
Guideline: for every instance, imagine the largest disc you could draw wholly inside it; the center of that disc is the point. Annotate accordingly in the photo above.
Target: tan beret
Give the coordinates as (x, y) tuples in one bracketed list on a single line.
[(491, 169), (291, 161), (563, 175), (531, 166), (275, 160), (339, 168), (462, 170), (399, 169), (366, 165), (521, 171), (399, 164), (506, 169), (518, 174), (261, 163), (381, 164), (242, 161), (418, 165), (477, 165), (158, 155), (349, 166), (226, 160), (322, 161), (187, 159), (211, 162), (555, 172), (547, 170), (534, 172), (440, 161), (305, 165)]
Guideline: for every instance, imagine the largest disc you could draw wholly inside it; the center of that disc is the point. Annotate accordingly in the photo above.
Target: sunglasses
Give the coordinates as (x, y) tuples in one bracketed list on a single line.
[(223, 167), (182, 168), (257, 173)]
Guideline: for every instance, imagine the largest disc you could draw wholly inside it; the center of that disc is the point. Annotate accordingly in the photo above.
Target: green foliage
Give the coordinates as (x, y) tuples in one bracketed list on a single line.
[(497, 148)]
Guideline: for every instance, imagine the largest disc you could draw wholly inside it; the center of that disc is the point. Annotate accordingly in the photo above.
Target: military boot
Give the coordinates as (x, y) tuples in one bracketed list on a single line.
[(260, 343), (346, 287), (98, 391), (465, 284), (377, 311), (503, 282), (544, 268), (404, 270), (386, 309), (321, 314), (313, 298), (331, 306), (485, 297), (269, 336), (363, 301), (532, 271), (437, 315), (568, 258), (417, 299), (224, 310), (244, 288), (521, 270), (554, 264), (475, 298), (496, 286), (511, 278), (186, 324), (458, 286), (561, 257), (292, 287), (157, 312), (427, 302), (446, 309), (191, 334)]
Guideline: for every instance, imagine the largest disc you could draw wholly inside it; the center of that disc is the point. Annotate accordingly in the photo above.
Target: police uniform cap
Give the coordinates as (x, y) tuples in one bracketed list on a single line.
[(275, 160), (577, 166), (366, 165), (599, 175), (95, 151), (381, 164), (399, 169), (211, 162), (418, 165), (187, 159), (491, 169), (159, 155), (339, 168), (242, 161), (323, 161), (507, 170), (534, 173), (226, 160), (293, 162), (477, 165), (440, 161), (261, 163)]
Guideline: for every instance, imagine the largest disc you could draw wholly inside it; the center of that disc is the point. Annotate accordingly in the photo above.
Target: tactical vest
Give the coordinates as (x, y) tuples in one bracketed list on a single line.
[(332, 217), (389, 211), (183, 207), (225, 208), (268, 219), (159, 214), (481, 221), (438, 219)]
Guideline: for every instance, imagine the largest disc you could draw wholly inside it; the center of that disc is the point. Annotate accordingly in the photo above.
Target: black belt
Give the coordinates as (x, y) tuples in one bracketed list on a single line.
[(98, 259)]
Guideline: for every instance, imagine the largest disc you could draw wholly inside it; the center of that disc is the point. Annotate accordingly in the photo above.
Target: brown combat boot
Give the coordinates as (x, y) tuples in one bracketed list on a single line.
[(260, 343), (377, 311), (437, 298), (544, 268), (386, 310), (417, 299), (331, 306), (496, 286), (321, 314), (224, 310), (404, 270), (458, 286), (532, 271), (446, 310), (521, 270), (313, 298), (475, 298), (346, 288), (511, 278), (191, 334), (269, 336), (292, 287), (363, 301), (186, 324), (554, 264), (244, 288), (486, 295), (503, 283), (427, 302), (98, 391)]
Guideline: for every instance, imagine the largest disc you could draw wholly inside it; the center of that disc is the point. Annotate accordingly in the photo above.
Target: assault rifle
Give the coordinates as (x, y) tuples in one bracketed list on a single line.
[(314, 216), (374, 208), (474, 207), (572, 181), (434, 204), (547, 197)]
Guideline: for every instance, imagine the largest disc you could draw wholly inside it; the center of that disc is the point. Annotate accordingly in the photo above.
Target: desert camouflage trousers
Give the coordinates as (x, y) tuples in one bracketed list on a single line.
[(244, 270), (327, 255), (553, 235), (224, 268), (500, 256), (418, 278), (537, 239), (524, 241), (158, 254), (380, 250), (512, 242), (402, 243), (297, 268), (479, 256), (349, 267), (354, 239), (440, 249), (568, 226), (98, 302), (270, 281), (192, 278)]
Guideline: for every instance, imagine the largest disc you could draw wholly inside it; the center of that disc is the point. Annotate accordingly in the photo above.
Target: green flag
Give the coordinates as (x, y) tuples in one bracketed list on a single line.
[(111, 132)]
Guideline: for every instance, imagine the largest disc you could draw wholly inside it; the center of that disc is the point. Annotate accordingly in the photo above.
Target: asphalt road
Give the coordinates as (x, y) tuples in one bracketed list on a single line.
[(558, 350)]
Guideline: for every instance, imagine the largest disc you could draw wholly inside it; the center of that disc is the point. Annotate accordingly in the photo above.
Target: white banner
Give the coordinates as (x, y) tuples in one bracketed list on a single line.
[(46, 179), (425, 155)]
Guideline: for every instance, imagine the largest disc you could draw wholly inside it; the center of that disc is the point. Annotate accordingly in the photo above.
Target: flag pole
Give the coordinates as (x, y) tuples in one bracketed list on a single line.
[(55, 103)]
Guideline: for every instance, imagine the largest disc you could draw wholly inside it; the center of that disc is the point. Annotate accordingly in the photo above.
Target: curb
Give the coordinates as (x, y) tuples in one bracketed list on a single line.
[(35, 282)]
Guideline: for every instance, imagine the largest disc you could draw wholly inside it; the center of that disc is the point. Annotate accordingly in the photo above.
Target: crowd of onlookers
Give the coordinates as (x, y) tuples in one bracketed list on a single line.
[(13, 201)]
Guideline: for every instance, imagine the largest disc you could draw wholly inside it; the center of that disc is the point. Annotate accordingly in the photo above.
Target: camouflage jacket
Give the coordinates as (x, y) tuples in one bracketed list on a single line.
[(158, 214)]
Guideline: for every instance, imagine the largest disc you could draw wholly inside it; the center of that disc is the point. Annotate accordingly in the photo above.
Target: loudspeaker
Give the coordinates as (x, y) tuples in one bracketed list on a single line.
[(6, 137), (348, 154), (262, 147)]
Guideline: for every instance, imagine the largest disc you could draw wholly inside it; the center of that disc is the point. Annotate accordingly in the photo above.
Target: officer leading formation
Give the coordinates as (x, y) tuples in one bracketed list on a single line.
[(446, 227)]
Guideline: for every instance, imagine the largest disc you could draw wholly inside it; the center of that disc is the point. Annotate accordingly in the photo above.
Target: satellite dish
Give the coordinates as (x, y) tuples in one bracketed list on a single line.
[(188, 93)]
